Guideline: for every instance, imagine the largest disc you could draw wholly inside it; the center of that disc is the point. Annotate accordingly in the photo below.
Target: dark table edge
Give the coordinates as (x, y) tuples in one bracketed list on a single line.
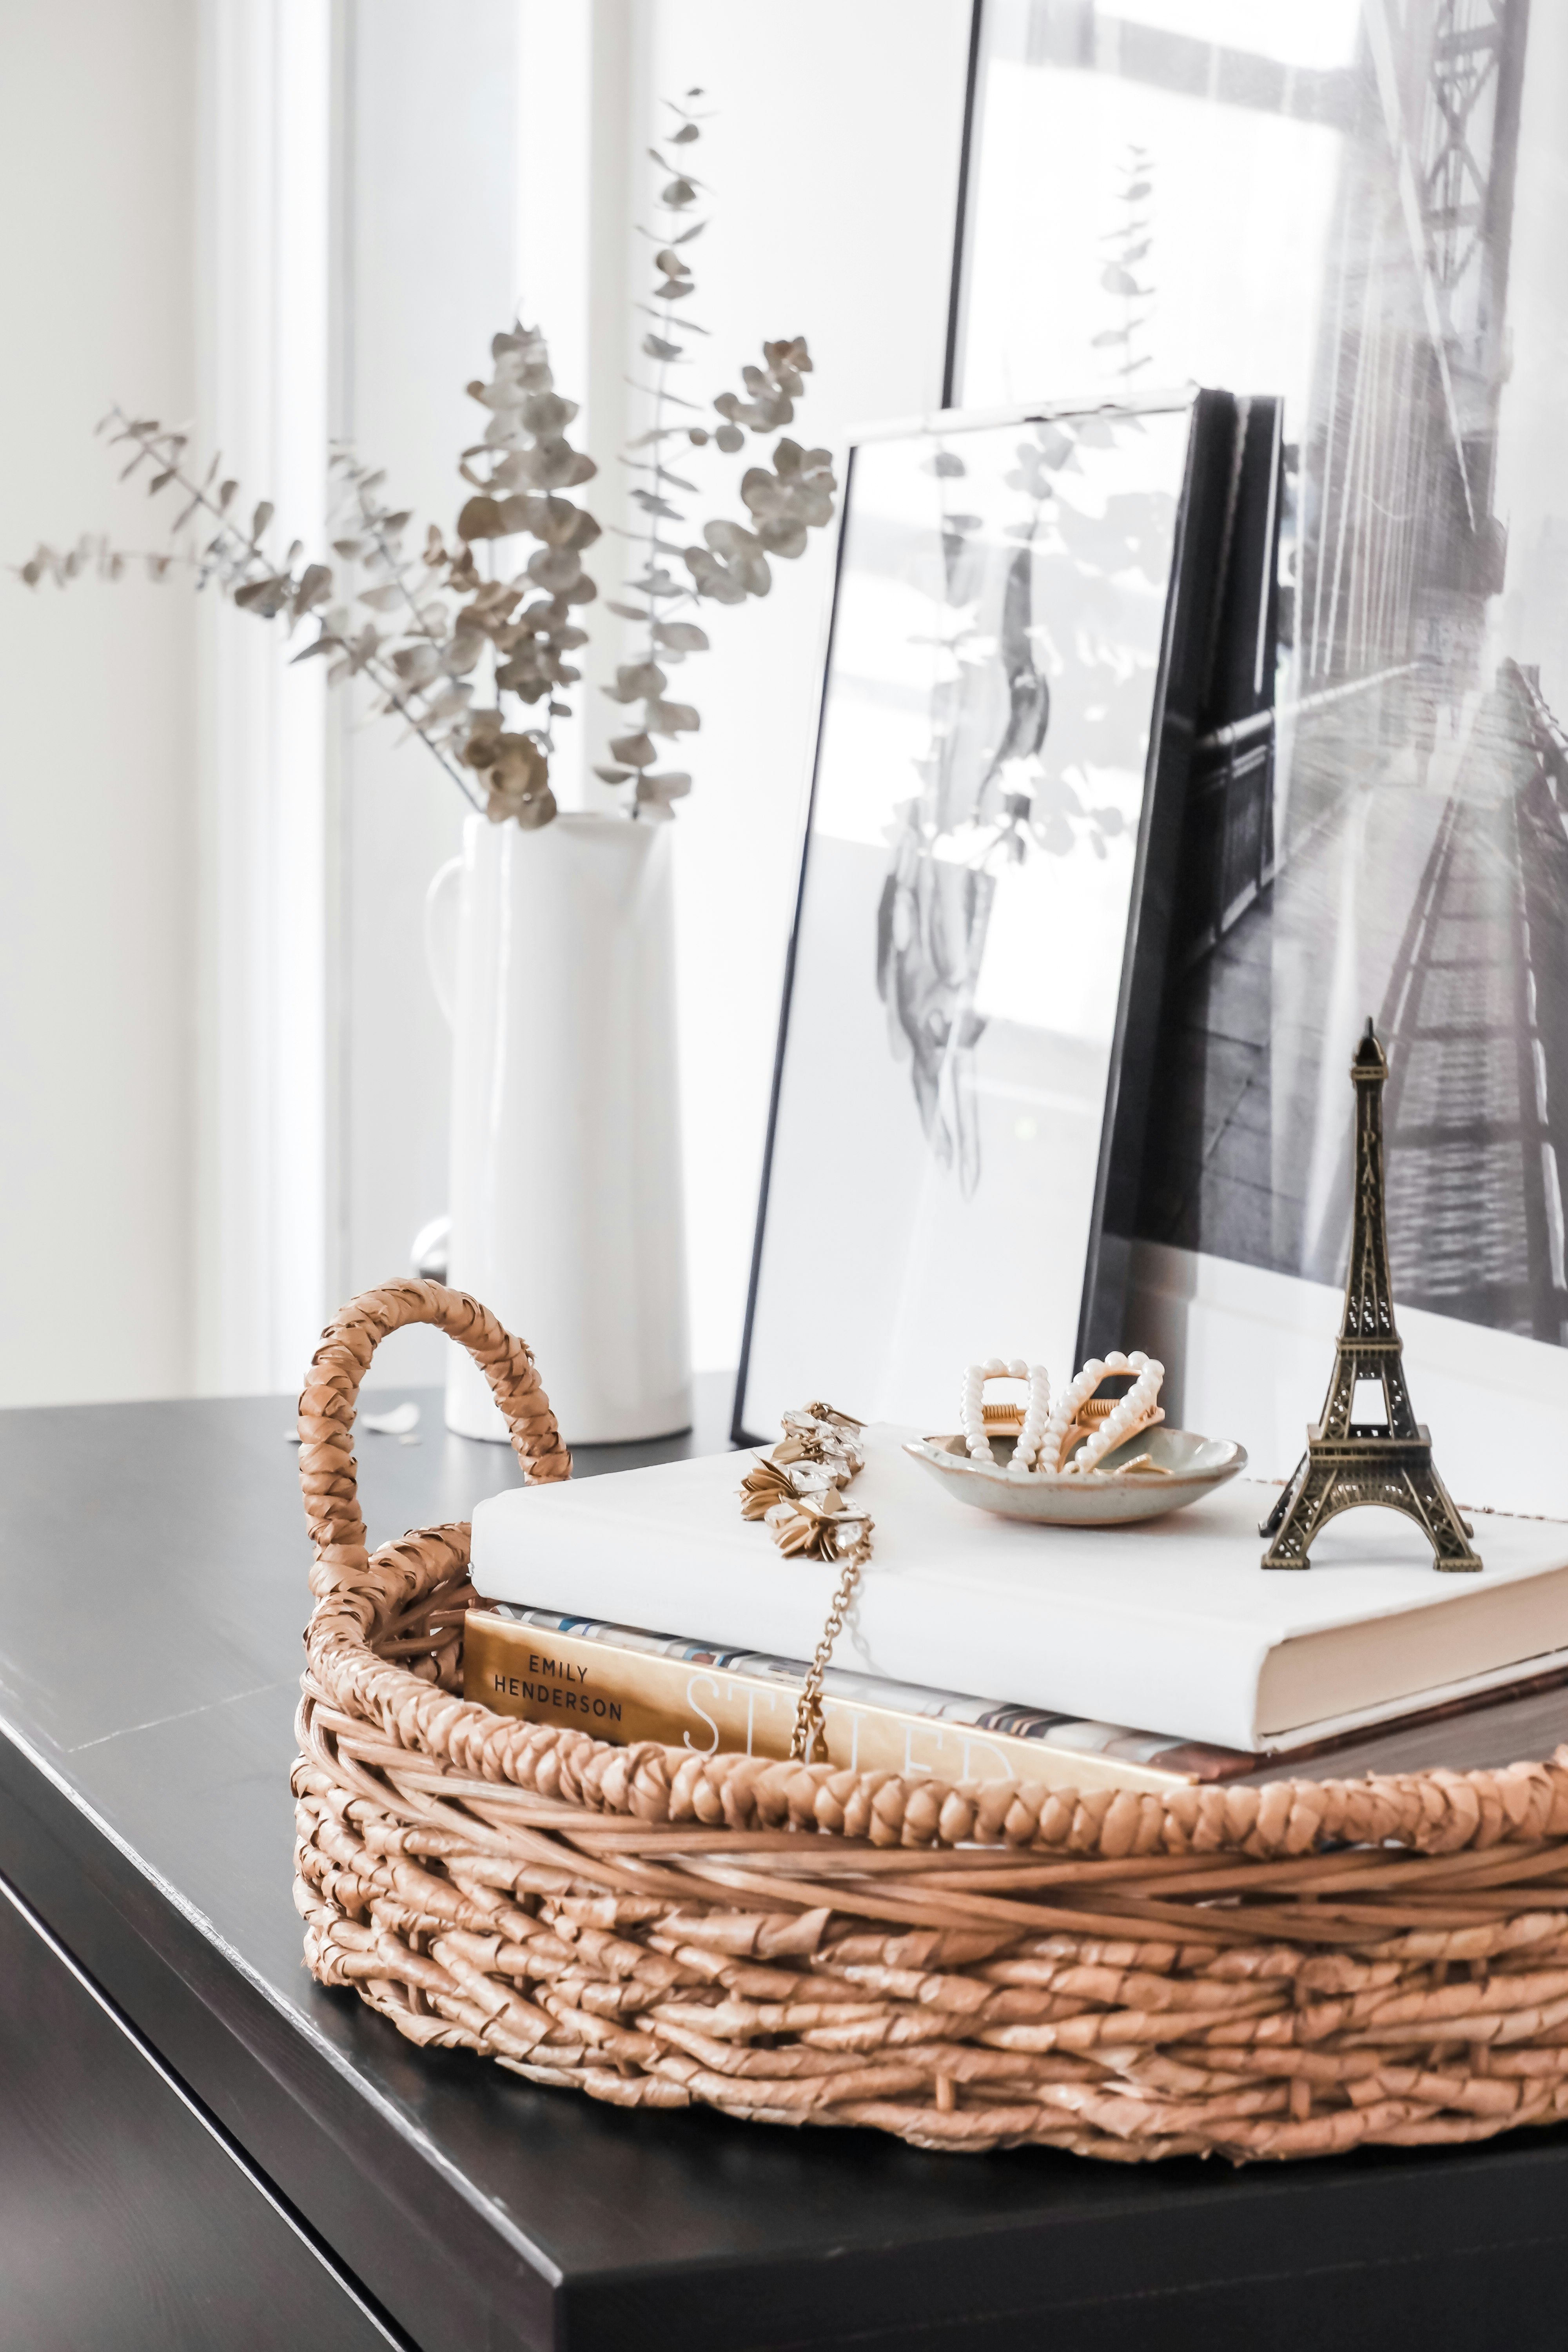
[(292, 2220), (309, 2120)]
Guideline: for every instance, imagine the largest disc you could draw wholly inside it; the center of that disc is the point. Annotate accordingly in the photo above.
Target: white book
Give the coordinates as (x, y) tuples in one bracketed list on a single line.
[(1172, 1625)]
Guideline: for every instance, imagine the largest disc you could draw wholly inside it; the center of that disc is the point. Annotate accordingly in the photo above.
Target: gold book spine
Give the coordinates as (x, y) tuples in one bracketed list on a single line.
[(625, 1695)]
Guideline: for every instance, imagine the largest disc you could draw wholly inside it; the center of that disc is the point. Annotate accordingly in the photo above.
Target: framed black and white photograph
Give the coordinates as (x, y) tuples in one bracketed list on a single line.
[(1357, 208), (976, 960)]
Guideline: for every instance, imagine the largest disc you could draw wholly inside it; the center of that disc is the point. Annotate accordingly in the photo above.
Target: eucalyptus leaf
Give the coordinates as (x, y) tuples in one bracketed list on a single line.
[(671, 719), (680, 636), (712, 578), (315, 586), (547, 414), (651, 504), (417, 665), (480, 519), (633, 750), (266, 597), (555, 568), (730, 538), (782, 537)]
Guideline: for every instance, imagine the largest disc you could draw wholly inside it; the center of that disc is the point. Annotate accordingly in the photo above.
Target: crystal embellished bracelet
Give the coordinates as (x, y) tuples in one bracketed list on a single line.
[(797, 1491)]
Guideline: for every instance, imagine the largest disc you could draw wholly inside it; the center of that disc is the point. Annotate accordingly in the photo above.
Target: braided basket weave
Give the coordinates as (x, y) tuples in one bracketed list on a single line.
[(1283, 1971)]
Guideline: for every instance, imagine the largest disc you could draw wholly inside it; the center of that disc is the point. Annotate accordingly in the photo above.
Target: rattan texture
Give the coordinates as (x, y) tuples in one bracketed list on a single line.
[(1280, 1971)]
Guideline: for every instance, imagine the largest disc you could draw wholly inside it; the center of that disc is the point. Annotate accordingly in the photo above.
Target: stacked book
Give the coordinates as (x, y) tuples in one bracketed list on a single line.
[(1370, 1661)]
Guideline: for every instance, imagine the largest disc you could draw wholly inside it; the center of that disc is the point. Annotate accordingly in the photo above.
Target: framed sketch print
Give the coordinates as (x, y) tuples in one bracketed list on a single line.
[(1019, 642), (1360, 208)]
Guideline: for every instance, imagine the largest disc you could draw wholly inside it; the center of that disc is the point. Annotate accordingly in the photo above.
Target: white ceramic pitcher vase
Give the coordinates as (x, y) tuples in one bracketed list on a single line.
[(552, 954)]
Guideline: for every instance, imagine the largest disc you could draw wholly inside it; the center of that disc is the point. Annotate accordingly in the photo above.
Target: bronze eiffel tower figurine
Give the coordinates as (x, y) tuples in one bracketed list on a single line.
[(1349, 1462)]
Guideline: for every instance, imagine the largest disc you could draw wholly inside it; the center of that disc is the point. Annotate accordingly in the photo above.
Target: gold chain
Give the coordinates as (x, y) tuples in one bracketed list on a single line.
[(808, 1714)]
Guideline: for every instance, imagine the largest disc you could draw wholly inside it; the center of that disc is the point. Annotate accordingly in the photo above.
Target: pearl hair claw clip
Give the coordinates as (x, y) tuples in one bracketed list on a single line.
[(1072, 1438), (980, 1421), (1103, 1424)]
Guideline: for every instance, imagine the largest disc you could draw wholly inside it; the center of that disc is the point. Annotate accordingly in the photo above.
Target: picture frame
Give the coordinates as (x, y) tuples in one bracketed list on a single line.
[(1009, 701)]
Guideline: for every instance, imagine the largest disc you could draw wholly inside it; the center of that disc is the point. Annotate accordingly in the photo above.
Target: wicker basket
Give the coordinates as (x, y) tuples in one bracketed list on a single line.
[(1283, 1971)]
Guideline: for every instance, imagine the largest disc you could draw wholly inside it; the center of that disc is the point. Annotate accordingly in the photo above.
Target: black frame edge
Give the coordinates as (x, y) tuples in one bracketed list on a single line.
[(1193, 606), (960, 215)]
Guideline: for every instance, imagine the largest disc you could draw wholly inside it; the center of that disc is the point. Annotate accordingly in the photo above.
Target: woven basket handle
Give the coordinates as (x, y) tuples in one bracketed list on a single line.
[(327, 1466)]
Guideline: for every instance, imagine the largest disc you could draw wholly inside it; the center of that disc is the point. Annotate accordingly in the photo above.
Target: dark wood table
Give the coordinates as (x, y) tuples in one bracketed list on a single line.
[(199, 2146)]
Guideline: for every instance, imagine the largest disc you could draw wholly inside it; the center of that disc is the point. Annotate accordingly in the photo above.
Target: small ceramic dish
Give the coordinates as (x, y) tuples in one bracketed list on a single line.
[(1183, 1467)]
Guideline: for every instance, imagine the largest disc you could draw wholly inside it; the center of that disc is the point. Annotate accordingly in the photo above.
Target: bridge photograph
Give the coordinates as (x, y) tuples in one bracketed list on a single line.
[(1383, 826)]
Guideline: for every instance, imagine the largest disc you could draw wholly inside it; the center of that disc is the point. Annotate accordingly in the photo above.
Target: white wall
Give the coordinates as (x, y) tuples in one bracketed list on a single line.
[(97, 120)]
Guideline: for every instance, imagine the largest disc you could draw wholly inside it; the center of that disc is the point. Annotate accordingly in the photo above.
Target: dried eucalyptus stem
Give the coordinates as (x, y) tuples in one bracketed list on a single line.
[(431, 622), (785, 499), (235, 560)]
